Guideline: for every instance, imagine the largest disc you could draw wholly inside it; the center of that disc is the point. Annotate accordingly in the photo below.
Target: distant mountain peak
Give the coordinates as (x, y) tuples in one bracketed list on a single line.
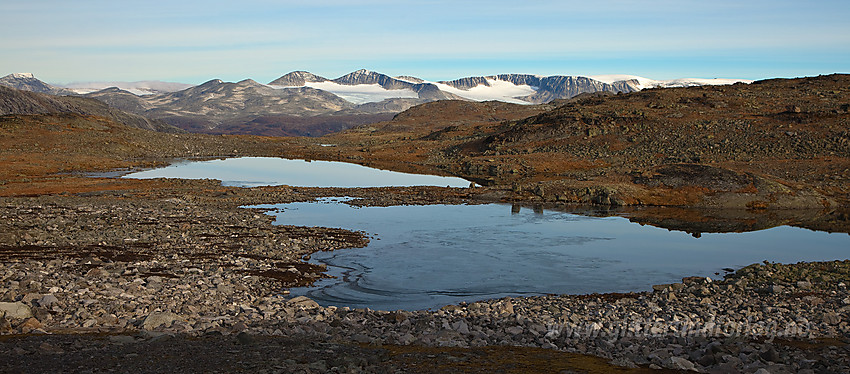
[(359, 74), (28, 82), (297, 79), (364, 76), (211, 82), (248, 82), (411, 79)]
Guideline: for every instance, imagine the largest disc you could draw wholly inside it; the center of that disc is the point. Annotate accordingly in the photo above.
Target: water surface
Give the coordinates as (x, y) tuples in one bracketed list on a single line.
[(430, 256), (271, 171)]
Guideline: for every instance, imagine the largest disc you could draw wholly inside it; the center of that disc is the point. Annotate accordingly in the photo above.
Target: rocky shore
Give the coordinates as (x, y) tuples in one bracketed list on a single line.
[(766, 318), (128, 276)]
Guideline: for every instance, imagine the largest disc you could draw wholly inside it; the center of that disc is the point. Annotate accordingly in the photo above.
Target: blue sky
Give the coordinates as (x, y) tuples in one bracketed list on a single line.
[(194, 41)]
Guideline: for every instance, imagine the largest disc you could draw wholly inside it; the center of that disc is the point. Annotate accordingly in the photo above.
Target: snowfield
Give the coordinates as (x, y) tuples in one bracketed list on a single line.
[(499, 90), (361, 93)]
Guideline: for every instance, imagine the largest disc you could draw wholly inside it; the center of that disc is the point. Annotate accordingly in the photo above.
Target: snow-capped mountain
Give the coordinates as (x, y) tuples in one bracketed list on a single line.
[(364, 86), (530, 89)]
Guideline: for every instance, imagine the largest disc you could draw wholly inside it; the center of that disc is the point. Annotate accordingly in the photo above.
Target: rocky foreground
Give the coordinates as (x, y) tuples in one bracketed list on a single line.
[(181, 279), (187, 301)]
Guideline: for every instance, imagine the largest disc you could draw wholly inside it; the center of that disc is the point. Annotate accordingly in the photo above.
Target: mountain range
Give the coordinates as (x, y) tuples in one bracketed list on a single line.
[(21, 102), (302, 103)]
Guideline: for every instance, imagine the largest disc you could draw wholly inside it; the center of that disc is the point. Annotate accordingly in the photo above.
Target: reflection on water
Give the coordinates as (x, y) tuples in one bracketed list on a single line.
[(270, 171), (429, 256)]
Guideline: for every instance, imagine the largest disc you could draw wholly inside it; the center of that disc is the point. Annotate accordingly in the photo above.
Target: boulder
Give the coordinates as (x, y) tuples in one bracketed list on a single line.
[(304, 302), (157, 319), (679, 363), (504, 307), (47, 300), (16, 310), (831, 318), (29, 325)]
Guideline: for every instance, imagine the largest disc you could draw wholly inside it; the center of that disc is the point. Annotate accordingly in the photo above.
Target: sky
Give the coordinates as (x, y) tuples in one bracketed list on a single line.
[(63, 41)]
